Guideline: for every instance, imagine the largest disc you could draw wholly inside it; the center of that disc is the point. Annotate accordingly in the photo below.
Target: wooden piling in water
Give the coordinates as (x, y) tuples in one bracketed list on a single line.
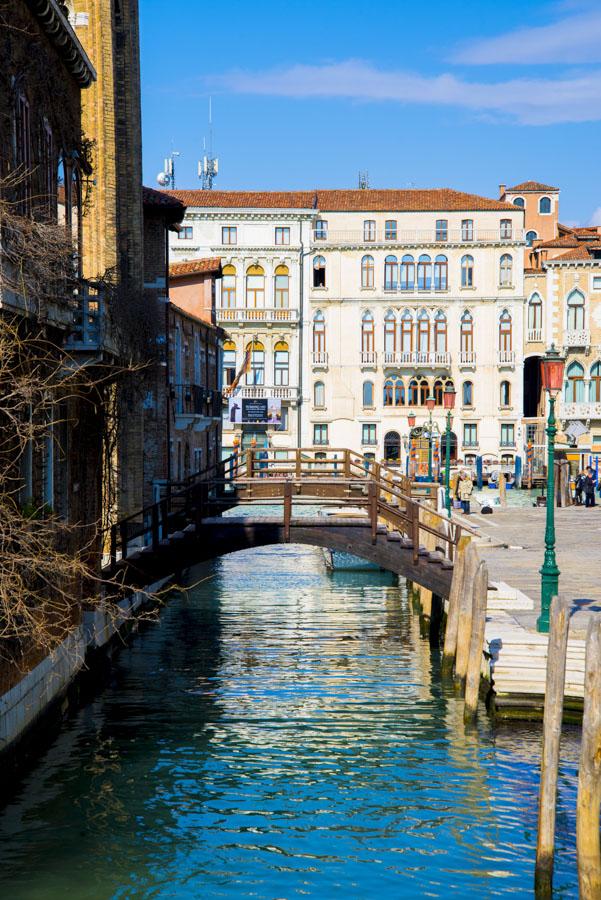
[(474, 664), (553, 714), (464, 623), (457, 587), (589, 773), (502, 490)]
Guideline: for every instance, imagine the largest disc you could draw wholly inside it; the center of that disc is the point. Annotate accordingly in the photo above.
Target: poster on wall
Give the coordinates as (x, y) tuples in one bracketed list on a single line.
[(266, 411)]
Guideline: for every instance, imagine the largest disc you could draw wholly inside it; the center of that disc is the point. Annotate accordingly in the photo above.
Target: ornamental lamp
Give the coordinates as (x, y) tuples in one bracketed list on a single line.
[(551, 369), (411, 420), (449, 398), (430, 403)]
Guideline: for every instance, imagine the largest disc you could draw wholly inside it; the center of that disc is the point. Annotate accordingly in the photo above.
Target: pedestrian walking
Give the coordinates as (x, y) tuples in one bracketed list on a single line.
[(579, 488), (464, 491), (589, 487)]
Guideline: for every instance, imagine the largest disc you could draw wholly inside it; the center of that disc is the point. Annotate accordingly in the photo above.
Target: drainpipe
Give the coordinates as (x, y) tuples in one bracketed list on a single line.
[(301, 281)]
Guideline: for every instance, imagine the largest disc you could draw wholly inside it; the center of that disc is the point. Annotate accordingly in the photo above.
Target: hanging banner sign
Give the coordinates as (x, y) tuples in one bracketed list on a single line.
[(261, 411)]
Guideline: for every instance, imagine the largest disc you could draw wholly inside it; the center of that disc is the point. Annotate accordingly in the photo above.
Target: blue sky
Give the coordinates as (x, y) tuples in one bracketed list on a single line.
[(441, 94)]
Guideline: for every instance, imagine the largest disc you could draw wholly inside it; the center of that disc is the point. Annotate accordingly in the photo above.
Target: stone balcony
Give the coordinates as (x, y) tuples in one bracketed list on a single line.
[(263, 391), (534, 335), (581, 411), (319, 359), (414, 358), (266, 315), (578, 338), (424, 236), (506, 358), (467, 359)]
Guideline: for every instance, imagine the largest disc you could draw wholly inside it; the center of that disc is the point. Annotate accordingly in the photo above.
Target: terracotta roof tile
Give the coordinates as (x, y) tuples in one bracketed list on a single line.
[(246, 199), (580, 252), (567, 241), (195, 266), (150, 197), (526, 186)]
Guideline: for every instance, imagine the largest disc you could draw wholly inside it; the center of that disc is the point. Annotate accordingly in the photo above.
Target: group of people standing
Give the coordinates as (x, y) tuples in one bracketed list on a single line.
[(586, 483)]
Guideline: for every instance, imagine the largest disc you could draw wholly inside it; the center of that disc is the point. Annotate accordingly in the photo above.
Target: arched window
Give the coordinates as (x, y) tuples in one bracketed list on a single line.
[(544, 206), (390, 273), (282, 287), (441, 273), (256, 370), (319, 272), (406, 332), (424, 273), (255, 287), (367, 272), (228, 287), (281, 363), (229, 363), (506, 270), (505, 338), (319, 394), (467, 271), (368, 393), (440, 332), (575, 311), (519, 202), (467, 393), (423, 331), (531, 237), (413, 393), (407, 273), (595, 388), (535, 313), (392, 446), (390, 332), (394, 391), (438, 392), (506, 229), (505, 394), (575, 384), (424, 391), (467, 333), (367, 332), (319, 332)]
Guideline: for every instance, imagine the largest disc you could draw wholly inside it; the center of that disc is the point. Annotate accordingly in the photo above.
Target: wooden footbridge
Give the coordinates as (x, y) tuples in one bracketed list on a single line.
[(336, 499)]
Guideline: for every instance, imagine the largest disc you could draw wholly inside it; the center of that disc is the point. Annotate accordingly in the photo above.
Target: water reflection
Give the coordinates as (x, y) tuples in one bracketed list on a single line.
[(281, 733)]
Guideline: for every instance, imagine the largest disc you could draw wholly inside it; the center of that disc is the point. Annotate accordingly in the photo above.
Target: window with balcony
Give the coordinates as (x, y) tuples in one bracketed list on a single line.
[(507, 435), (531, 237), (424, 273), (390, 230), (575, 316), (506, 270), (368, 434), (255, 374), (544, 206), (442, 230), (368, 394), (467, 229), (229, 234), (505, 394), (423, 331), (281, 287), (441, 273), (282, 235), (406, 332), (228, 287), (467, 271), (390, 273), (506, 229), (394, 391), (185, 233), (574, 389), (505, 332), (467, 393), (470, 434), (466, 334), (255, 287), (319, 394), (407, 272), (519, 202), (440, 332), (535, 318), (320, 435), (367, 332), (321, 230), (319, 272), (319, 332), (367, 272), (369, 230), (595, 385), (390, 331), (281, 363), (229, 363)]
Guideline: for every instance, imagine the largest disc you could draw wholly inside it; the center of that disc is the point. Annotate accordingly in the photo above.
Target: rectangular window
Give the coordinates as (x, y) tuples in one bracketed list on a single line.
[(368, 435), (321, 230), (23, 148), (505, 229), (229, 234), (597, 282), (320, 435), (369, 230), (442, 230), (390, 231), (470, 435), (229, 367), (185, 233), (467, 230), (282, 235), (507, 435), (281, 367)]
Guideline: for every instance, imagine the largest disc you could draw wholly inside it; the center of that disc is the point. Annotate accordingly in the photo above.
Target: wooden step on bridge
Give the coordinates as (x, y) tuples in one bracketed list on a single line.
[(378, 514)]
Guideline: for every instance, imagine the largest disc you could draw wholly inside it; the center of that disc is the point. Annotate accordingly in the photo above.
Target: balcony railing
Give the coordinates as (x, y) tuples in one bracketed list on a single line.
[(420, 236), (262, 391), (580, 338), (441, 288), (581, 410), (417, 358), (194, 400), (467, 358), (369, 357), (89, 320), (319, 358), (266, 314), (509, 442), (506, 358), (470, 445), (535, 335)]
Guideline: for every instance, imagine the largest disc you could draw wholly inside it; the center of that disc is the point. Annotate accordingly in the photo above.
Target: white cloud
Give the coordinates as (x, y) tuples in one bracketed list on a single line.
[(574, 39), (532, 101)]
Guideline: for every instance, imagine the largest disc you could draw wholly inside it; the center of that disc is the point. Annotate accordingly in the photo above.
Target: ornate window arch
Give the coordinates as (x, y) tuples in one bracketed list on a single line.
[(575, 311), (281, 363), (441, 273), (406, 332), (319, 332), (467, 271), (466, 334), (256, 371), (390, 332), (391, 269), (595, 385), (505, 331), (228, 287), (440, 332), (394, 391), (282, 287), (319, 271), (506, 270), (535, 312), (423, 331), (367, 271), (574, 390), (367, 332), (424, 273), (255, 287), (407, 271)]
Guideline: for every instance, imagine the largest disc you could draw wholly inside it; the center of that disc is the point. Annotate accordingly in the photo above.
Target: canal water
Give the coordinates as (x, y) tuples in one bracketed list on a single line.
[(281, 733)]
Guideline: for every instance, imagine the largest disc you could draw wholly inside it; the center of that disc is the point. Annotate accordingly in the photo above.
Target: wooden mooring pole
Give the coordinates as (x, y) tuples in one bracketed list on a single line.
[(464, 624), (457, 587), (547, 795), (474, 663), (589, 773)]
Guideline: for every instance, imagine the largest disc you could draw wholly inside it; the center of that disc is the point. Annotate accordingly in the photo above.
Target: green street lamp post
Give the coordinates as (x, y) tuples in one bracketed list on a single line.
[(552, 366), (449, 404), (430, 402)]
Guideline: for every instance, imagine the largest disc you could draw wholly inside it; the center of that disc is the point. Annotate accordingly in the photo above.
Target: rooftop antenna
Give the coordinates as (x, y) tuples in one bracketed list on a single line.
[(166, 178), (364, 180), (208, 167)]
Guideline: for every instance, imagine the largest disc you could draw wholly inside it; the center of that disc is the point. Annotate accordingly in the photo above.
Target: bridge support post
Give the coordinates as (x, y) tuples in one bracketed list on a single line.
[(287, 510), (464, 623), (373, 510), (457, 588), (474, 665)]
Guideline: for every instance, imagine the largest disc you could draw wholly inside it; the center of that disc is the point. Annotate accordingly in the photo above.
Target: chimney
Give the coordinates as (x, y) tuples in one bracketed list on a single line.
[(502, 188)]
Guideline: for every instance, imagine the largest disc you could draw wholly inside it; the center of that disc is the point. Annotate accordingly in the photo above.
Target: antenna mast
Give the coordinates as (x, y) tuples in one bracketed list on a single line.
[(208, 167), (363, 182)]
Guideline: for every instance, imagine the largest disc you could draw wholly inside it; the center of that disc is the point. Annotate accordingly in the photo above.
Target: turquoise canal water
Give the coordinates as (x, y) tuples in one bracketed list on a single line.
[(281, 733)]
